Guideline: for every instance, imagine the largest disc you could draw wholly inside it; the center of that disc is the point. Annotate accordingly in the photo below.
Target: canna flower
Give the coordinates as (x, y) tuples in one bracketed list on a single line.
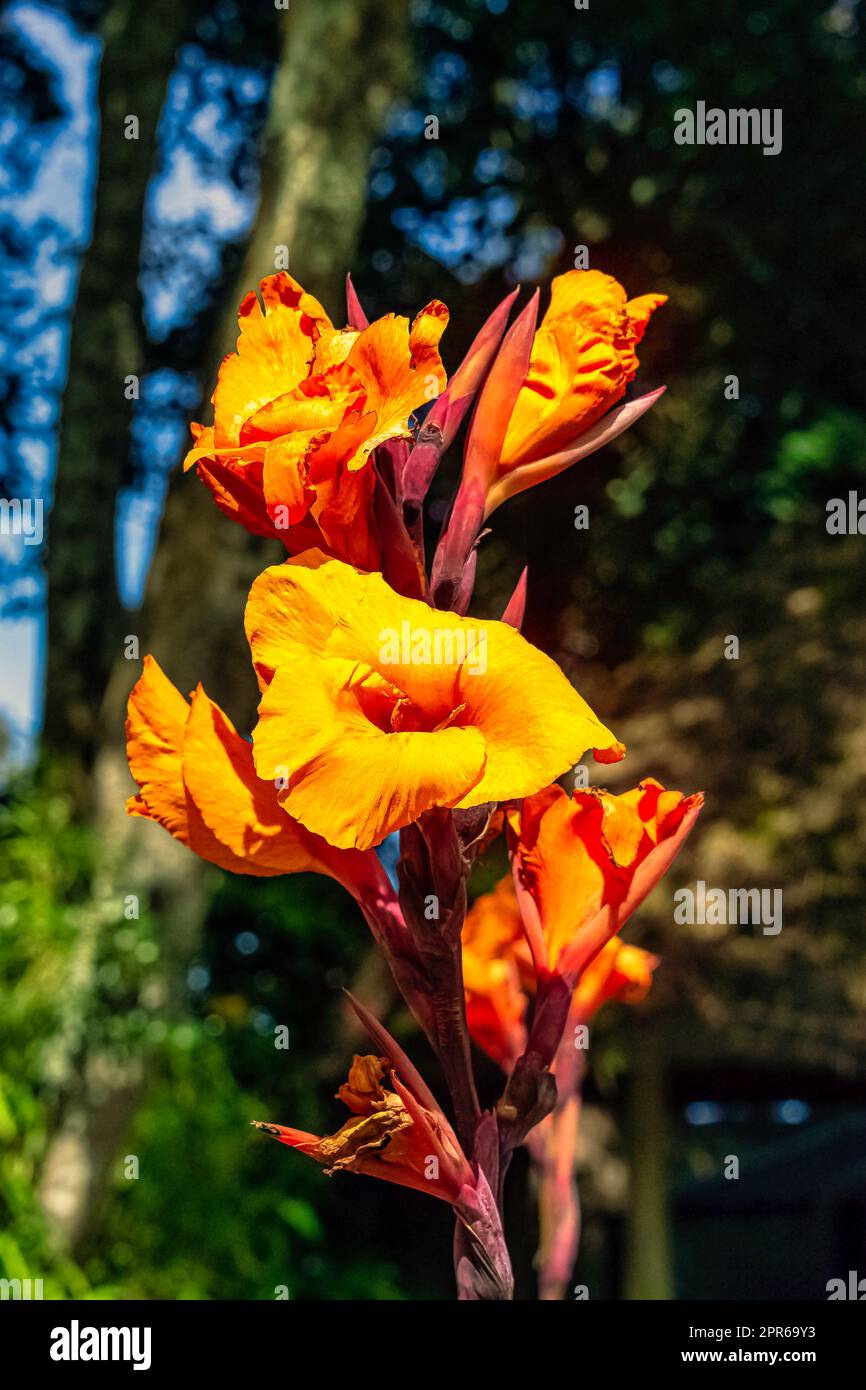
[(299, 410), (376, 707), (546, 395), (495, 961), (498, 976), (196, 778), (619, 972), (582, 864), (394, 1132)]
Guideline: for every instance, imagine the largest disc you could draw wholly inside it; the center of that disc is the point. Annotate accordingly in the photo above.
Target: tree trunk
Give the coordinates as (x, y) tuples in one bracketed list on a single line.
[(85, 619), (649, 1270), (325, 112), (324, 116)]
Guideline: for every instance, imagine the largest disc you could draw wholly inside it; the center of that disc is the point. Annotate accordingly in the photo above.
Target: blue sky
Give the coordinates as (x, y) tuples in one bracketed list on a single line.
[(53, 213), (191, 205)]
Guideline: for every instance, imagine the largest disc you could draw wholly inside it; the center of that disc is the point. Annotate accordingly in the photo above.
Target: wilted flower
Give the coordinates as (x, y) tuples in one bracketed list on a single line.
[(393, 1134)]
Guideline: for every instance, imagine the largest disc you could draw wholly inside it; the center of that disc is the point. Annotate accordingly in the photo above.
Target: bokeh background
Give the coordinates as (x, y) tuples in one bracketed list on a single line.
[(151, 1036)]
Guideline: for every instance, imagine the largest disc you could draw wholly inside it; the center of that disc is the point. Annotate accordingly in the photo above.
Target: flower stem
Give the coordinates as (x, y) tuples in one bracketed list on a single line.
[(449, 1011), (432, 874)]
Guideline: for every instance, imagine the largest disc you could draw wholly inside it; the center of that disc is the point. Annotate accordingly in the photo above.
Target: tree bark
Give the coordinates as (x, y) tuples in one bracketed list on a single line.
[(85, 619), (324, 116), (649, 1263), (340, 65)]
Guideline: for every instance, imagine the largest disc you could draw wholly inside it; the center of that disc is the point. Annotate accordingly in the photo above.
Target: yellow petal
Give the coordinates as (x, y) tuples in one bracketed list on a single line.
[(317, 403), (362, 683), (349, 780), (155, 724), (299, 601), (239, 808), (274, 352), (197, 780), (574, 377), (535, 725), (400, 369)]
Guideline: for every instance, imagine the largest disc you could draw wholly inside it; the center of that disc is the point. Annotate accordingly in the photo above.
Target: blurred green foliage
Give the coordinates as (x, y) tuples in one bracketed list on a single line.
[(43, 878), (216, 1211)]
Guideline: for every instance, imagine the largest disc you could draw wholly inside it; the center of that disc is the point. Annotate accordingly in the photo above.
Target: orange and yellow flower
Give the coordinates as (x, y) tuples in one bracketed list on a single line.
[(196, 778), (496, 963), (582, 864), (376, 707), (298, 411), (619, 972), (547, 393), (394, 1133), (499, 977)]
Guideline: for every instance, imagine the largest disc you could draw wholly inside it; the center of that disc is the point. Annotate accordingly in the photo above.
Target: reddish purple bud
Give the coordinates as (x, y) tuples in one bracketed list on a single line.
[(402, 565), (496, 402), (447, 414), (515, 609), (463, 594), (468, 377), (457, 544), (355, 316)]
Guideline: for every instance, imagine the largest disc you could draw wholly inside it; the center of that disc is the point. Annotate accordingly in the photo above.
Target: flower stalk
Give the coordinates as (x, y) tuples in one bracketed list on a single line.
[(433, 897), (385, 709)]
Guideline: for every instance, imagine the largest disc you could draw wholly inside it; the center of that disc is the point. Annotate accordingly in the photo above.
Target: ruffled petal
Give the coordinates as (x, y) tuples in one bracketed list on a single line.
[(401, 370), (197, 779), (583, 357), (577, 857), (274, 352)]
